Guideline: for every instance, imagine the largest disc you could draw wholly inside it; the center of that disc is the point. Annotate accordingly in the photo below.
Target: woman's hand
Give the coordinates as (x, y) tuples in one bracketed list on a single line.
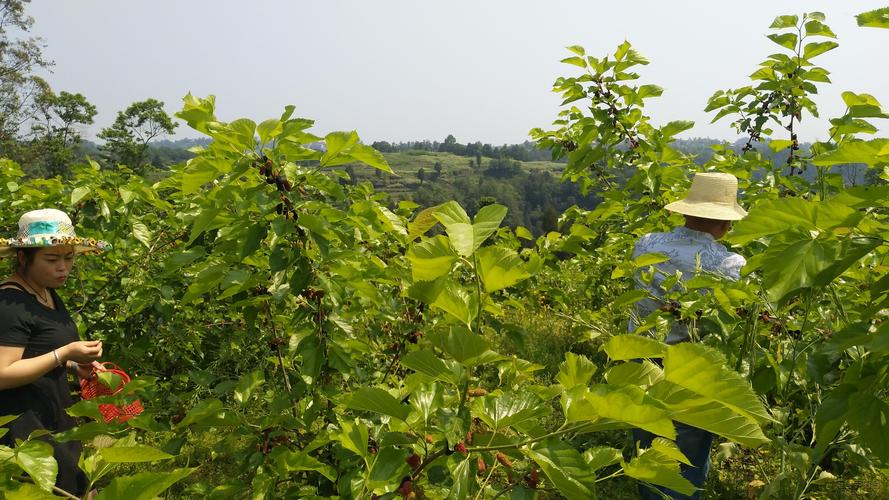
[(84, 370), (82, 352)]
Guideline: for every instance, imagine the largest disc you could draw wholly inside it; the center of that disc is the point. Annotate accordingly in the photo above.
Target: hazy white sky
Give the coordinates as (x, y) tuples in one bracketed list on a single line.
[(410, 69)]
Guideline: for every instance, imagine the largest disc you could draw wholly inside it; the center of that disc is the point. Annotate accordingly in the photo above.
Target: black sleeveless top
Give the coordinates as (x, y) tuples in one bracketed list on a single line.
[(25, 322)]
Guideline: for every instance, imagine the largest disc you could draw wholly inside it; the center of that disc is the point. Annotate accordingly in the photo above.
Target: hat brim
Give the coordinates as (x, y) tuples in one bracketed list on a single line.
[(708, 210), (8, 248)]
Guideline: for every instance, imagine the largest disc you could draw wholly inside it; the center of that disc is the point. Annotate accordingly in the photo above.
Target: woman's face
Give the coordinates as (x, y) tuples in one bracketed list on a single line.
[(50, 267)]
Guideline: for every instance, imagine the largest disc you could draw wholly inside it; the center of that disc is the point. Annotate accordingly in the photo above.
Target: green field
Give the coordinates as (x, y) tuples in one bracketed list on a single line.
[(406, 164)]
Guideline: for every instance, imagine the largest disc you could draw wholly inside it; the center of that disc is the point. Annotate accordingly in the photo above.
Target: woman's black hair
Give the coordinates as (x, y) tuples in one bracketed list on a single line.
[(29, 253)]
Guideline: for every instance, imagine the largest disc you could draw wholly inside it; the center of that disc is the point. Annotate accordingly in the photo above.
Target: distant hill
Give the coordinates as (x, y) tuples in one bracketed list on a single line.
[(518, 176)]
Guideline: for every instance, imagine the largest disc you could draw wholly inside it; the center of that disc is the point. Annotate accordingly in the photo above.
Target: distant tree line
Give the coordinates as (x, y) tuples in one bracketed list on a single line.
[(525, 151)]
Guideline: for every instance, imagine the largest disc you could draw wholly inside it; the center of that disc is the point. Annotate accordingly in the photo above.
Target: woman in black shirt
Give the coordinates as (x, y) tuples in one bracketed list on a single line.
[(38, 338)]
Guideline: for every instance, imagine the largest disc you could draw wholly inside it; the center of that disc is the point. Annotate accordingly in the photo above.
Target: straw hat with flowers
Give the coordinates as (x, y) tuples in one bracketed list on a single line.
[(45, 228)]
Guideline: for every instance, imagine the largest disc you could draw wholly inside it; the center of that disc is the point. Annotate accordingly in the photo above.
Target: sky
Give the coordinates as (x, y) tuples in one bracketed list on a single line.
[(402, 70)]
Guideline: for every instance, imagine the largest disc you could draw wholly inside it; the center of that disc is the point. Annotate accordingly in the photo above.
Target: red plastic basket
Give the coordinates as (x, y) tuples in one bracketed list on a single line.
[(90, 388)]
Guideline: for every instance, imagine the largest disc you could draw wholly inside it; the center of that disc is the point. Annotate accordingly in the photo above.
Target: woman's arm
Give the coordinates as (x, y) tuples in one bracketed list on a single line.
[(16, 372)]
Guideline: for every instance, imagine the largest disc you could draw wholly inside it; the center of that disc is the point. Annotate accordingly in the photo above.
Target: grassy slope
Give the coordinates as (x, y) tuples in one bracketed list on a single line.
[(406, 164)]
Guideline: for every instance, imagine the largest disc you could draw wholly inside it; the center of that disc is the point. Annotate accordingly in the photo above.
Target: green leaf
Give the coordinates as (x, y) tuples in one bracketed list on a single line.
[(338, 144), (370, 156), (142, 486), (646, 91), (289, 461), (462, 237), (423, 221), (779, 144), (523, 233), (500, 268), (864, 196), (377, 401), (576, 61), (817, 28), (631, 405), (577, 49), (644, 374), (36, 458), (427, 399), (817, 48), (464, 346), (132, 454), (142, 233), (869, 416), (204, 410), (790, 268), (697, 411), (85, 408), (269, 129), (486, 223), (703, 370), (850, 125), (461, 474), (629, 297), (675, 127), (781, 22), (457, 302), (26, 491), (786, 40), (626, 347), (388, 467), (602, 456), (431, 258), (851, 251), (878, 18), (253, 239), (248, 383), (509, 409), (654, 467), (855, 151), (649, 259), (565, 468), (863, 105), (426, 362), (575, 370), (777, 216), (428, 291), (79, 193), (451, 213), (669, 449), (831, 416), (353, 436), (110, 380), (197, 172)]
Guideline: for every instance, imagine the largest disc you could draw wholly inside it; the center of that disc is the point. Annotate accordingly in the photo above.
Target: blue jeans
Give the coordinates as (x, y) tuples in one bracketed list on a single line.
[(695, 444)]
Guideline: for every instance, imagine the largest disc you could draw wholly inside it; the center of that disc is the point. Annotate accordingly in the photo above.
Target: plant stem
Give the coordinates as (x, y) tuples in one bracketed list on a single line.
[(429, 459), (479, 319), (810, 297), (285, 376), (55, 489), (559, 432), (487, 478)]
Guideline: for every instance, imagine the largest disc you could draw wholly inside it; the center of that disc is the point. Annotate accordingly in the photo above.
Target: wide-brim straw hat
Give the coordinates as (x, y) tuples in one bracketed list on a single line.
[(48, 227), (713, 195)]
